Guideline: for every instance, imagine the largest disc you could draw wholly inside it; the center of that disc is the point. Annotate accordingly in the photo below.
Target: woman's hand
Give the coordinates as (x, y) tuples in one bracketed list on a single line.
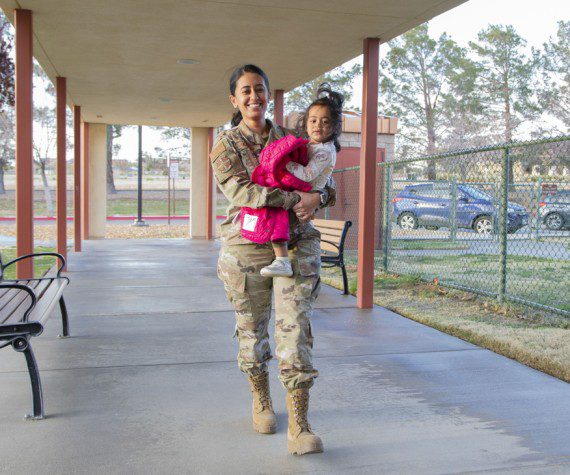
[(305, 209)]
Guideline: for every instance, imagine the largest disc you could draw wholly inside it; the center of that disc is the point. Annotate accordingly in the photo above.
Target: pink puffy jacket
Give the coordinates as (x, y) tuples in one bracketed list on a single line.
[(261, 225)]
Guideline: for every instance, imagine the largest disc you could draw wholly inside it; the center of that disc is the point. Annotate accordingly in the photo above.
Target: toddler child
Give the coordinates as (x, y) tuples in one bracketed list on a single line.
[(322, 123)]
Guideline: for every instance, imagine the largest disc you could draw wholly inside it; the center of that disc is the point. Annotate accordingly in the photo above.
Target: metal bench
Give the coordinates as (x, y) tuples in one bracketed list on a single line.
[(25, 305), (333, 234)]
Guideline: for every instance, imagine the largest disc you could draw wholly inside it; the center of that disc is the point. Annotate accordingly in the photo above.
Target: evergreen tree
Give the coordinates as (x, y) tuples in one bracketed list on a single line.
[(340, 79), (422, 82), (506, 79), (555, 96)]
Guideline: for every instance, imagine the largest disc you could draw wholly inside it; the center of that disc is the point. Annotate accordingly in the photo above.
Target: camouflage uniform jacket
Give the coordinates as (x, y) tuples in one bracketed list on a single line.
[(234, 157)]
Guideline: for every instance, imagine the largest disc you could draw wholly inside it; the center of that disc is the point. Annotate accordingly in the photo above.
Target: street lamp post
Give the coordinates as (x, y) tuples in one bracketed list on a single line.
[(139, 221)]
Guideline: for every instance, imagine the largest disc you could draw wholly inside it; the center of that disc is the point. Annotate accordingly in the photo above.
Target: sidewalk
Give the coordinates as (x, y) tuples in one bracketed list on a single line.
[(148, 383)]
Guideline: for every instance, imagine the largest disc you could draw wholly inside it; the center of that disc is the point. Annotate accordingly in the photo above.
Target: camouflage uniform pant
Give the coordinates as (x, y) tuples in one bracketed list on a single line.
[(250, 295)]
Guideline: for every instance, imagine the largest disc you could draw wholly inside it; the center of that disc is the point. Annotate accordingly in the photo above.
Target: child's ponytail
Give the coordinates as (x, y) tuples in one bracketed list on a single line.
[(334, 101)]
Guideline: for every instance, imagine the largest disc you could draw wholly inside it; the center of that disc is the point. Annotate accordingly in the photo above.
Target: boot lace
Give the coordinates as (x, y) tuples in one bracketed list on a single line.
[(261, 386), (301, 409)]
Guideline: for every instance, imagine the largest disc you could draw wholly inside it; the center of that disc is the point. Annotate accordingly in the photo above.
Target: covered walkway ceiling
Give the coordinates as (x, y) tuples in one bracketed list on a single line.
[(121, 58)]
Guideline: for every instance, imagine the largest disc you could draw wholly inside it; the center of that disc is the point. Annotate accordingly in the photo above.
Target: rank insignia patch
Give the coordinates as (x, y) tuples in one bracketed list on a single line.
[(223, 164)]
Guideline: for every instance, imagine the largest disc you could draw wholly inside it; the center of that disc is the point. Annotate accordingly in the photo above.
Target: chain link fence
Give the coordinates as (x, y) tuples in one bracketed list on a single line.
[(493, 220)]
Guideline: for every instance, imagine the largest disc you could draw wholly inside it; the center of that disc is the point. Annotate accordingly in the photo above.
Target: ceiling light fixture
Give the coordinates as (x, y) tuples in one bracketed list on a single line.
[(188, 61)]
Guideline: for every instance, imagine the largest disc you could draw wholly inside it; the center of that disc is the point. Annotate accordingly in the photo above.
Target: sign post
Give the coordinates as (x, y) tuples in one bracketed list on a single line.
[(173, 172)]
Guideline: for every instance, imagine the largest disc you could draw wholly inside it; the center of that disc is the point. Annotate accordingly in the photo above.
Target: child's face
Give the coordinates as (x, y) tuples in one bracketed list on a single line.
[(319, 124)]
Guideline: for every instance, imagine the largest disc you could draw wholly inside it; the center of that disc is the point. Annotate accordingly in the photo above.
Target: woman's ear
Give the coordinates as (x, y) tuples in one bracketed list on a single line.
[(233, 100)]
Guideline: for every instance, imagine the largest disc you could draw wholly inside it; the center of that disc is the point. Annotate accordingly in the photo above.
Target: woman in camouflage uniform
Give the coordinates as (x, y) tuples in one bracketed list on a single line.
[(233, 159)]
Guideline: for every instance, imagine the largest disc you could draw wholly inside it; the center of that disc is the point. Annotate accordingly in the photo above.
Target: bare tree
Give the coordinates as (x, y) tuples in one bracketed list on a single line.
[(44, 149), (113, 132), (7, 144), (7, 150)]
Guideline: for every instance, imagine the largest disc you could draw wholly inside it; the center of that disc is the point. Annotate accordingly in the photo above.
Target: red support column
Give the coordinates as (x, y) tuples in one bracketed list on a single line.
[(77, 177), (278, 103), (85, 180), (61, 193), (366, 206), (24, 138), (210, 189)]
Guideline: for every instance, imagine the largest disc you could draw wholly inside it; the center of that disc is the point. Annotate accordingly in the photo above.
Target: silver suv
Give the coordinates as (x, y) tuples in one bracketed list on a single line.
[(554, 210)]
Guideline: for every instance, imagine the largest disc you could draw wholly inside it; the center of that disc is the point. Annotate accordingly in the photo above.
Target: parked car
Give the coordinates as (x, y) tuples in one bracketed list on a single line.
[(554, 210), (429, 205)]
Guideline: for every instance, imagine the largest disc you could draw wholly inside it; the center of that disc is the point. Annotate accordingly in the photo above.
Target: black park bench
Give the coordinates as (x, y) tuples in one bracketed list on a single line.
[(25, 305), (333, 235)]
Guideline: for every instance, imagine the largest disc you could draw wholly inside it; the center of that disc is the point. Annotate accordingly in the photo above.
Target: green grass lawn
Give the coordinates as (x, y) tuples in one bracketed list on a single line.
[(128, 207), (41, 264), (536, 279), (401, 244), (8, 206), (125, 206)]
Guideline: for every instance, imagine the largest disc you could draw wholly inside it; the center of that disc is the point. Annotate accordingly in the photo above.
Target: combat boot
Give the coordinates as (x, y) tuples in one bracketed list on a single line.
[(263, 416), (300, 438)]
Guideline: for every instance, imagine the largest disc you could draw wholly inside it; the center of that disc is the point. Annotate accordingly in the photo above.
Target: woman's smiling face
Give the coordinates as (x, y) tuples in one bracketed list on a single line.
[(251, 97)]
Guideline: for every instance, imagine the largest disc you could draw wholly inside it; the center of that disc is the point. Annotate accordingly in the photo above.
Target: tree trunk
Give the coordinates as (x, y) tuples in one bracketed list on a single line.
[(2, 187), (431, 172), (47, 193), (110, 178), (509, 131)]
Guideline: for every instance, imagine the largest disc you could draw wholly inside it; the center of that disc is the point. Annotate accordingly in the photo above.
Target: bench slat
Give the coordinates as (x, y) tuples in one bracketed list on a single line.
[(16, 307), (4, 292), (13, 310), (337, 233), (325, 246), (331, 238), (328, 223), (44, 307)]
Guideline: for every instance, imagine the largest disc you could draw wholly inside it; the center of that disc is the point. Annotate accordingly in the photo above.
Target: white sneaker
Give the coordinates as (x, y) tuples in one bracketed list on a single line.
[(277, 269)]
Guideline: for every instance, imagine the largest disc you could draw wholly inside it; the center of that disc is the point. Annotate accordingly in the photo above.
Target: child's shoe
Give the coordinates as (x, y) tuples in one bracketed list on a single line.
[(278, 268)]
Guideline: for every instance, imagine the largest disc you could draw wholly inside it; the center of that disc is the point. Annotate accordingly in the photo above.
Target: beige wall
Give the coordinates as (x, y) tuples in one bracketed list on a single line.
[(97, 180), (199, 171)]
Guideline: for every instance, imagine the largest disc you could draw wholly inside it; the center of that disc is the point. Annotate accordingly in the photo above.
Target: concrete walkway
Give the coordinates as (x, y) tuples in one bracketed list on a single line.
[(149, 384)]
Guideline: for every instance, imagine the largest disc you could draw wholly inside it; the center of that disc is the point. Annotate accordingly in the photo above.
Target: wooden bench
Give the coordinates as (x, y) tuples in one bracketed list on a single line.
[(333, 235), (25, 305)]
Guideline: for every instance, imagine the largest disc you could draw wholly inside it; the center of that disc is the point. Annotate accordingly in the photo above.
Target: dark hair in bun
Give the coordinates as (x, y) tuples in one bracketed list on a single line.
[(334, 101)]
